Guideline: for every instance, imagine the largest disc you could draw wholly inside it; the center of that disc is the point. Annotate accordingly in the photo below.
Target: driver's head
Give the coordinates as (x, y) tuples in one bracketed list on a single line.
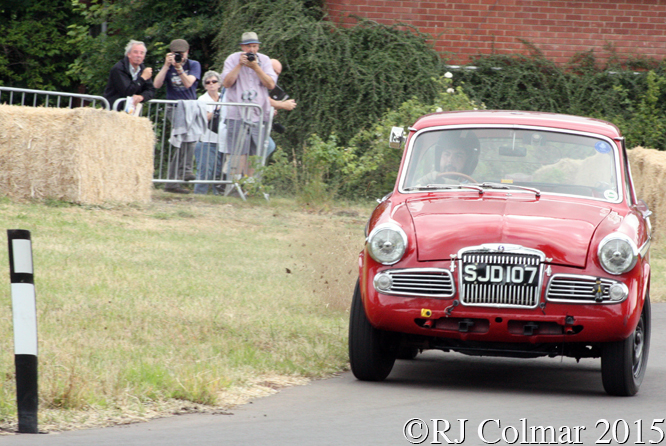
[(453, 159), (459, 151)]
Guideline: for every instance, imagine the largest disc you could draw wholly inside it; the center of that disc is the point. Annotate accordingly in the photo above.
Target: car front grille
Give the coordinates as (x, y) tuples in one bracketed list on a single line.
[(513, 276), (429, 282), (578, 289)]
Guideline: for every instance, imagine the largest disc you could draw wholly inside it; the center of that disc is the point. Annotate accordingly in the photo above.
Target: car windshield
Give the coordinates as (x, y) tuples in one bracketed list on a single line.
[(520, 159)]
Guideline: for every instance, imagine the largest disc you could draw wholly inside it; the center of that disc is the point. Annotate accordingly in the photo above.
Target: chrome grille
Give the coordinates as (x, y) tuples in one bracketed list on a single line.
[(504, 292), (430, 282), (572, 288)]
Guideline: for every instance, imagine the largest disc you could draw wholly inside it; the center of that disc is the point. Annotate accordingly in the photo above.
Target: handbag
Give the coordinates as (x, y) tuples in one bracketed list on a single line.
[(214, 122), (278, 94)]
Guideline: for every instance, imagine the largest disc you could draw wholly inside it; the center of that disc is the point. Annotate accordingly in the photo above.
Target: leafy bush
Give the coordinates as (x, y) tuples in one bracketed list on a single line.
[(316, 176), (35, 48), (634, 100), (644, 122)]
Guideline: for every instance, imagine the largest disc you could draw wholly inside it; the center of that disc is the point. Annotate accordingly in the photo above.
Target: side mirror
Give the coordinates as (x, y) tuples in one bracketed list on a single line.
[(643, 208), (397, 137)]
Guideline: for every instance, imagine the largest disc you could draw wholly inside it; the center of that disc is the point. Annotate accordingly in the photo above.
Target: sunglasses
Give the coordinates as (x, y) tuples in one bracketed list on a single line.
[(211, 82)]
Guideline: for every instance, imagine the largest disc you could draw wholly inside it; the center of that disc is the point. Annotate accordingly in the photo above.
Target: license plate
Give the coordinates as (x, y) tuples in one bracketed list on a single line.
[(483, 273)]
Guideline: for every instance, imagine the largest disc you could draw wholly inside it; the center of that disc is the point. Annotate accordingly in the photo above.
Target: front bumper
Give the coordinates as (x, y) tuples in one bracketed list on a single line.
[(548, 322)]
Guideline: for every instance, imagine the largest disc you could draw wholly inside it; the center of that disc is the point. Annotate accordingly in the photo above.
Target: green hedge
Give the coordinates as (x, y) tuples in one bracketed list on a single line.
[(631, 94)]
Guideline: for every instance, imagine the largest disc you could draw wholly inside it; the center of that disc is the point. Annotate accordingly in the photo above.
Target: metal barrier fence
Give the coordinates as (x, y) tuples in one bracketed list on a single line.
[(44, 98), (223, 161)]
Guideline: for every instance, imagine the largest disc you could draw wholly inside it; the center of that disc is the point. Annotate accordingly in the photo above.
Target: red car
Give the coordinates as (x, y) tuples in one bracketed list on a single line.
[(513, 234)]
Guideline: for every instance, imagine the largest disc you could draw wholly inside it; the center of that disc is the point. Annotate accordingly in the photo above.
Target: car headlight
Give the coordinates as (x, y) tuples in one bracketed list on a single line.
[(617, 253), (387, 243)]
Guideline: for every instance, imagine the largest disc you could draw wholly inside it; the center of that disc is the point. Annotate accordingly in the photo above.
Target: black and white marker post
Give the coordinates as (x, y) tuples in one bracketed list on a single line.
[(24, 310)]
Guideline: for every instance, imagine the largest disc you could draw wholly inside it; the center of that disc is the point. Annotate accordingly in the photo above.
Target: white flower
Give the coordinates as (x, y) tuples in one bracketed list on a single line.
[(448, 75), (450, 90), (439, 109)]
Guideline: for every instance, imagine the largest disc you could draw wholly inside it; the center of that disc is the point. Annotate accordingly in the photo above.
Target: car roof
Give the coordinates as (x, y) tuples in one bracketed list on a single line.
[(519, 118)]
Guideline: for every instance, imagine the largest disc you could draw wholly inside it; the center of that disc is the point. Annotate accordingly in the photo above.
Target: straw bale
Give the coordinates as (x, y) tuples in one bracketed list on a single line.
[(585, 172), (648, 169), (82, 155)]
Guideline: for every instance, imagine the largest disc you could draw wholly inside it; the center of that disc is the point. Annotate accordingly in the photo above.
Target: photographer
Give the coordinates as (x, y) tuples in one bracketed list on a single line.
[(181, 76), (247, 76)]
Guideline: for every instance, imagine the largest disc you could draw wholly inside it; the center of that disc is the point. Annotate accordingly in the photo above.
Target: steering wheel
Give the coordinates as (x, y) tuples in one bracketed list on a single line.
[(456, 174)]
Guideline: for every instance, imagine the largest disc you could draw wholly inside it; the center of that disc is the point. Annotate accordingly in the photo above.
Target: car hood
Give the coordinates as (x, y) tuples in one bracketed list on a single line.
[(561, 230)]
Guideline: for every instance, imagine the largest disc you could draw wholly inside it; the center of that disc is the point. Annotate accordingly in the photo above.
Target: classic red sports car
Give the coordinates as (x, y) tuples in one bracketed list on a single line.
[(512, 234)]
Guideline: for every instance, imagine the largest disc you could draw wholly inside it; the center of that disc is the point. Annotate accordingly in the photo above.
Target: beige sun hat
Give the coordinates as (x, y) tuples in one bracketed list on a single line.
[(249, 38)]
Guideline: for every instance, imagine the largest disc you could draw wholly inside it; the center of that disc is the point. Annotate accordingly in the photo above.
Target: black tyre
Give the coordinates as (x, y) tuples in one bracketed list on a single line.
[(623, 363), (372, 352)]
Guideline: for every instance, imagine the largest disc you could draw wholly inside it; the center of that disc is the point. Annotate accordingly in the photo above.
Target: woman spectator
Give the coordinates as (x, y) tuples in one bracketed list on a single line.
[(209, 151)]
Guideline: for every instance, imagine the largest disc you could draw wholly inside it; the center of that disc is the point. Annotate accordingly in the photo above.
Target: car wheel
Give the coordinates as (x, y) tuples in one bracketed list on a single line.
[(623, 363), (372, 352)]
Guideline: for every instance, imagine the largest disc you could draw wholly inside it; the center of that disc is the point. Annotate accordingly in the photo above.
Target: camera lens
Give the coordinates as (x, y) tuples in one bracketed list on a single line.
[(250, 57), (178, 57)]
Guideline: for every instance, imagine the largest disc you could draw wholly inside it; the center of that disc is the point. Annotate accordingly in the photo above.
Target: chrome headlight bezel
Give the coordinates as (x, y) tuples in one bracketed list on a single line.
[(389, 233), (620, 243)]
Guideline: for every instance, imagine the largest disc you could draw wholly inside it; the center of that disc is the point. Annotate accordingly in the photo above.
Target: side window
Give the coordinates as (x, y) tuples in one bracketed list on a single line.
[(423, 158)]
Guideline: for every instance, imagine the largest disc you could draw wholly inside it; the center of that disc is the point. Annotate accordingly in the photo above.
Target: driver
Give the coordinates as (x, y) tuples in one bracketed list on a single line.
[(458, 153)]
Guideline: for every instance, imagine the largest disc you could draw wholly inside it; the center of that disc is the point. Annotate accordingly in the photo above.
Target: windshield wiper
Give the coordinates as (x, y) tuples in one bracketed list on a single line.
[(446, 187), (489, 185)]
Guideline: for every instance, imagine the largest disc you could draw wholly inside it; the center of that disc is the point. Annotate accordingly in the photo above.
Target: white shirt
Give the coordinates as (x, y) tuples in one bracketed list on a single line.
[(134, 71), (221, 137)]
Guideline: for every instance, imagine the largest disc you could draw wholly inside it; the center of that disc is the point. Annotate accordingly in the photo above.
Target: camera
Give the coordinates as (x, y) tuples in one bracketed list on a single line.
[(250, 57), (178, 57)]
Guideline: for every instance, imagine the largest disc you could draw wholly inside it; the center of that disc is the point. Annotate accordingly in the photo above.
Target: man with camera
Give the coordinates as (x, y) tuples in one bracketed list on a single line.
[(181, 76), (248, 76), (179, 73)]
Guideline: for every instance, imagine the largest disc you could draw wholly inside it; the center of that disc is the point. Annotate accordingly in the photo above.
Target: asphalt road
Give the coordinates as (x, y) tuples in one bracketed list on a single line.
[(503, 401)]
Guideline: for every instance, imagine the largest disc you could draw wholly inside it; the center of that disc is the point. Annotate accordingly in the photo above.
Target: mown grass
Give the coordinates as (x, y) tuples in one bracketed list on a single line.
[(182, 303)]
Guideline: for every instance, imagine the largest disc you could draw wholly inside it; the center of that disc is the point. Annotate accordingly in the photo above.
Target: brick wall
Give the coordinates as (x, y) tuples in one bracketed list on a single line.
[(560, 29)]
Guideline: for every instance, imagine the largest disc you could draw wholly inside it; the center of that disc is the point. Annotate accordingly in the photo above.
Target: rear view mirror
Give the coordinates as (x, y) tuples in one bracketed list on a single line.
[(513, 151), (397, 137)]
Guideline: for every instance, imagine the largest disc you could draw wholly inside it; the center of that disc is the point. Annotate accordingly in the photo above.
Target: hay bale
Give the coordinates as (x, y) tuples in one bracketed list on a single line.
[(648, 169), (82, 155), (584, 172)]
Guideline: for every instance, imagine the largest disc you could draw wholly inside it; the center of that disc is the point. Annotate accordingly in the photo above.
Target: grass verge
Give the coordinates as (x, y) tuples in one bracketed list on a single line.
[(185, 304)]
